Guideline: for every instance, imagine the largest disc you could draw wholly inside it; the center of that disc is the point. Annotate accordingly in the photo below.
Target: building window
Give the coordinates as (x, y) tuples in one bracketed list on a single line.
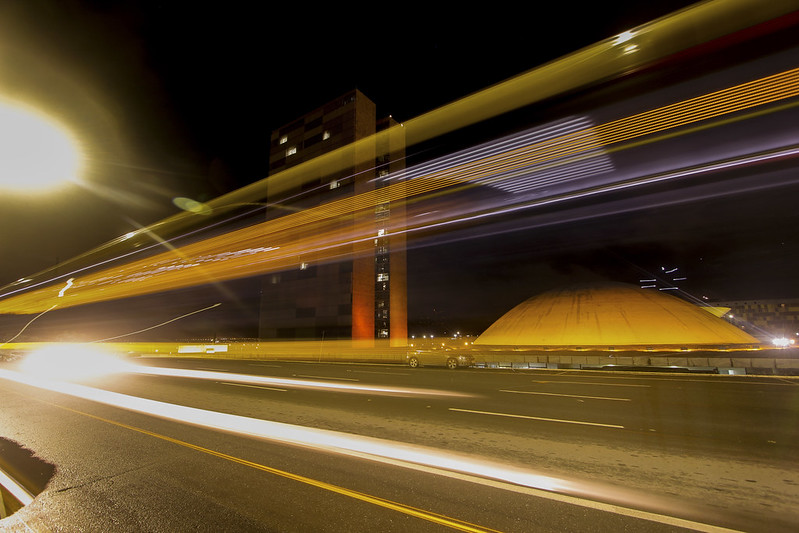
[(284, 139), (334, 185), (382, 277), (291, 151), (326, 135)]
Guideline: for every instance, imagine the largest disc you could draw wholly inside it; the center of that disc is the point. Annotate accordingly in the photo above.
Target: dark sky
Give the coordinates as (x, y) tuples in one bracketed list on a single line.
[(178, 99)]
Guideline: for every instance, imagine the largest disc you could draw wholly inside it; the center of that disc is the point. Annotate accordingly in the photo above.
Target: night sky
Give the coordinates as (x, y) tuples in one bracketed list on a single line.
[(179, 98)]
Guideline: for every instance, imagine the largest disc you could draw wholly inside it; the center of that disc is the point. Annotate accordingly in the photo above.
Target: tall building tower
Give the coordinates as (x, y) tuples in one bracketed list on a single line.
[(363, 296)]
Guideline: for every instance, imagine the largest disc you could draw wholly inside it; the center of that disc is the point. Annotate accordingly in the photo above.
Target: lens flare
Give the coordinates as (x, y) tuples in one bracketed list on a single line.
[(69, 362), (36, 153)]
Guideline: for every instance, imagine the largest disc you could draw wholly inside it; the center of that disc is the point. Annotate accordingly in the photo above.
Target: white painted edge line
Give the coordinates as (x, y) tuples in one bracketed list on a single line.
[(567, 395), (374, 372), (543, 419), (16, 490), (251, 386), (326, 377)]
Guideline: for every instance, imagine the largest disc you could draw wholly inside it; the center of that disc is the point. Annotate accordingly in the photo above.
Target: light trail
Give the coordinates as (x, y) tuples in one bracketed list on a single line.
[(687, 31), (313, 234), (469, 468), (291, 383)]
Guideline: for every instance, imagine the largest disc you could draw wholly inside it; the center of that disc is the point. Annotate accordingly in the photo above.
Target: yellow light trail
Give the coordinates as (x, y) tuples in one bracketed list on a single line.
[(683, 30), (326, 233)]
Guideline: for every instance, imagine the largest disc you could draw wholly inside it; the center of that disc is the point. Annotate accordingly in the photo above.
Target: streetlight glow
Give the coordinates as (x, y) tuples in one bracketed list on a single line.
[(35, 151)]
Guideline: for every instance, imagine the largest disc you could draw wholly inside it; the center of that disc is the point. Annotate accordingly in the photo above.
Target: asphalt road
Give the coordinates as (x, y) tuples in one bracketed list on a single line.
[(286, 446)]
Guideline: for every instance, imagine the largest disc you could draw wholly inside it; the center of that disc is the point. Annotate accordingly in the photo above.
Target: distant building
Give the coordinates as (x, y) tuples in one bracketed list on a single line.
[(363, 296), (765, 318)]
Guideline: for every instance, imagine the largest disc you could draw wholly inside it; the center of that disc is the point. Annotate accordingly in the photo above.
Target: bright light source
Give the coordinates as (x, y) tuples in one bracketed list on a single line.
[(66, 362), (781, 342), (35, 152)]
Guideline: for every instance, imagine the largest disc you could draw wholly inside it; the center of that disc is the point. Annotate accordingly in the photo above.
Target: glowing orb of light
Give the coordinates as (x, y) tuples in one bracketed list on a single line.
[(68, 362), (192, 206), (36, 153)]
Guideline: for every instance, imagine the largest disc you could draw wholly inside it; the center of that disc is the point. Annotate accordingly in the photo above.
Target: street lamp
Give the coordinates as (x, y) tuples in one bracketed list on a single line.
[(36, 152)]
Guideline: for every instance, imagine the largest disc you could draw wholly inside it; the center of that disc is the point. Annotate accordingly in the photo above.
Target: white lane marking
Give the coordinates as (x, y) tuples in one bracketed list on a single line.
[(264, 364), (564, 421), (384, 373), (594, 383), (325, 377), (251, 386), (567, 395)]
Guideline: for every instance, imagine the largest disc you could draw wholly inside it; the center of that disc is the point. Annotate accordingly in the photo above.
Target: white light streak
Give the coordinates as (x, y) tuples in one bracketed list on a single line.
[(291, 383), (18, 491)]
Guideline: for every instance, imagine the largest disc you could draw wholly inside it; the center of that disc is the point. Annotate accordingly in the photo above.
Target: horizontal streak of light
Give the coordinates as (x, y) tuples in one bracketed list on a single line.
[(290, 383), (304, 233), (567, 395), (539, 418), (18, 491)]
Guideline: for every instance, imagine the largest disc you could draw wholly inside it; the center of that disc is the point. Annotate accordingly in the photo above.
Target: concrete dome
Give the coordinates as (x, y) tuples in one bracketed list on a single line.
[(615, 315)]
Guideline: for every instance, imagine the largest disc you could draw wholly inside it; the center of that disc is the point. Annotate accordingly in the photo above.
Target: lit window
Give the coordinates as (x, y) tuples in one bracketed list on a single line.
[(284, 139), (382, 277), (381, 232), (325, 135), (334, 184), (291, 151), (303, 266)]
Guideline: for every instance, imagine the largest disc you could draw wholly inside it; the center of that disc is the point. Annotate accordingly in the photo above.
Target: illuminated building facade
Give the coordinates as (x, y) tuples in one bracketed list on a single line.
[(363, 296)]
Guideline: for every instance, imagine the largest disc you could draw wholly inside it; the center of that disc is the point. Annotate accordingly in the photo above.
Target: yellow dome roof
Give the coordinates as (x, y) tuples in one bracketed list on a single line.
[(615, 316)]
